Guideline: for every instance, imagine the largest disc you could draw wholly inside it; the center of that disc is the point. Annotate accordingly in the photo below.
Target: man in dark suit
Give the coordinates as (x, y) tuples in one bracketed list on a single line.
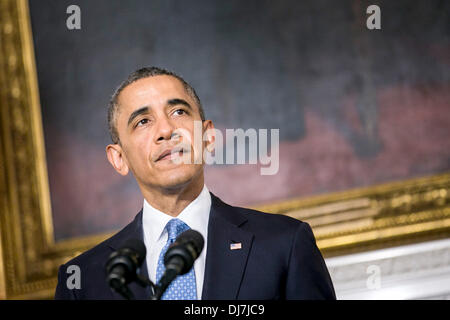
[(247, 255)]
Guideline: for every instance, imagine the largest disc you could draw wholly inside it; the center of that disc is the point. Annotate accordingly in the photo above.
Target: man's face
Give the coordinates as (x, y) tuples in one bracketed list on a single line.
[(152, 112)]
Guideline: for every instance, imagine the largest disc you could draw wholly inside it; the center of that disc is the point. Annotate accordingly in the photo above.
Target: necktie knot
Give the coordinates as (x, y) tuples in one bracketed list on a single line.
[(175, 227)]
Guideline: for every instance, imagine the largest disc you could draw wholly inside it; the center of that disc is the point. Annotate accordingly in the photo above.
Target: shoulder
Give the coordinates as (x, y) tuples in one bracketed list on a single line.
[(258, 221), (273, 221), (91, 256), (99, 253), (90, 267), (269, 226), (278, 227)]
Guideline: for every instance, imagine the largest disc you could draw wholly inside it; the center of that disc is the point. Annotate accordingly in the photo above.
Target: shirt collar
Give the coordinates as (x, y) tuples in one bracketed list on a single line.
[(195, 215)]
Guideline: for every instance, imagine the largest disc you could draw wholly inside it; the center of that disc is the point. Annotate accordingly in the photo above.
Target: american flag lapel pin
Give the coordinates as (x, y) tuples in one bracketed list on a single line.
[(236, 246)]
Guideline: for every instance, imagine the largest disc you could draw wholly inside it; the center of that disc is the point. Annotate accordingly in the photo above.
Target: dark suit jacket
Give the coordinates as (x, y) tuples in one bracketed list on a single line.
[(279, 259)]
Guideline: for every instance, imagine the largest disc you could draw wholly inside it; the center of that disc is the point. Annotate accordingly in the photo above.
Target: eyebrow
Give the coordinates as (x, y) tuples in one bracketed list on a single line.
[(174, 102), (137, 113), (145, 109)]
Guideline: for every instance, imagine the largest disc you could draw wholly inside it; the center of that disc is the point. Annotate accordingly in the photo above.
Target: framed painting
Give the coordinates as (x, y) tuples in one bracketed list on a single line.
[(363, 151)]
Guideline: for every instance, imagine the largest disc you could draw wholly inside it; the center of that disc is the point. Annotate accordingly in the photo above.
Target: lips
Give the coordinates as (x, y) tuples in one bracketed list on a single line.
[(166, 153)]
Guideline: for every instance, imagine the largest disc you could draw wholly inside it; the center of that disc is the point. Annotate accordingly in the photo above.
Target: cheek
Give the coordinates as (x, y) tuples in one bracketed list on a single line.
[(184, 134), (140, 153), (194, 132), (195, 143)]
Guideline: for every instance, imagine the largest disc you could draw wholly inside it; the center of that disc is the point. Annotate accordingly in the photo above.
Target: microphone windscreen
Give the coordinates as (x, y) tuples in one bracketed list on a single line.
[(138, 247), (193, 237)]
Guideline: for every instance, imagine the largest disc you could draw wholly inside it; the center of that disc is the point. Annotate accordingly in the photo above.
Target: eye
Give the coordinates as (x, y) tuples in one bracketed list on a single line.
[(179, 112), (142, 122)]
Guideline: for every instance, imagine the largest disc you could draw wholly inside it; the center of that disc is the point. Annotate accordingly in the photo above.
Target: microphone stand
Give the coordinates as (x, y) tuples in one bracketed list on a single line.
[(157, 290), (125, 292), (144, 282), (165, 281)]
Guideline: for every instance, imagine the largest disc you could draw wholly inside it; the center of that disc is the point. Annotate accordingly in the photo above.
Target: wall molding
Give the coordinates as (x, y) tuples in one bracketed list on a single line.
[(417, 271)]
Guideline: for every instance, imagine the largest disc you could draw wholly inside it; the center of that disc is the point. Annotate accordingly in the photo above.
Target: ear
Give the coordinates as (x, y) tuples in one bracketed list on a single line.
[(209, 135), (116, 157)]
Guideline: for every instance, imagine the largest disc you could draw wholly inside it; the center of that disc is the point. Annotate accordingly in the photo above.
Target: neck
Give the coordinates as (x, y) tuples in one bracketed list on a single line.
[(172, 201)]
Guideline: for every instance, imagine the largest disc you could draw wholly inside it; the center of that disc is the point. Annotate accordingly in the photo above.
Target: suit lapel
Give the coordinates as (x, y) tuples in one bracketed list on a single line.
[(133, 231), (224, 267)]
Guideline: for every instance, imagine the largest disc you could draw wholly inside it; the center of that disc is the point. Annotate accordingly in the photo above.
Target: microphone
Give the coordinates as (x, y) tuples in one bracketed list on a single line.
[(179, 258), (122, 266)]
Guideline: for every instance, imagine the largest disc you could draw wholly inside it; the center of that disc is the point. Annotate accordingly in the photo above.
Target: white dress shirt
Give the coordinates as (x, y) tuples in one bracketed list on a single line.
[(195, 215)]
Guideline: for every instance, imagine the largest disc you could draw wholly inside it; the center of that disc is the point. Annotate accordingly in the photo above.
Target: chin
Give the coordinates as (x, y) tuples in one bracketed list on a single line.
[(179, 177)]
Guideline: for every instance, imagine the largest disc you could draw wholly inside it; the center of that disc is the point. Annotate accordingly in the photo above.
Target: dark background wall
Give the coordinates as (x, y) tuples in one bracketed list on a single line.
[(354, 107)]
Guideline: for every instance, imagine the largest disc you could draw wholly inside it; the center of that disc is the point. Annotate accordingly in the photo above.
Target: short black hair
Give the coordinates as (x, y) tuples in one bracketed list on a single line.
[(142, 73)]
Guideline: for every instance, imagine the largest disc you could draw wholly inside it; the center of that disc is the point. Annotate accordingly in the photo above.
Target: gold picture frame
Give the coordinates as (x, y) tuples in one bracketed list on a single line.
[(344, 222)]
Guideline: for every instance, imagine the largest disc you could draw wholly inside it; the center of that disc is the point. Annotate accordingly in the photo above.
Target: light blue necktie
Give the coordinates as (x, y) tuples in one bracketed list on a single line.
[(183, 287)]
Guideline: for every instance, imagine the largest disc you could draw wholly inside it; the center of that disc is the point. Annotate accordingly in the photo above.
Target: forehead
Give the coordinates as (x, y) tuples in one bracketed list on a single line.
[(154, 91)]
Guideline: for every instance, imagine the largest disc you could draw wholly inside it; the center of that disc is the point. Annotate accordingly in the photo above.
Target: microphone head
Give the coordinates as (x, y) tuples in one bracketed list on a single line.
[(137, 247), (122, 265), (194, 238), (188, 247)]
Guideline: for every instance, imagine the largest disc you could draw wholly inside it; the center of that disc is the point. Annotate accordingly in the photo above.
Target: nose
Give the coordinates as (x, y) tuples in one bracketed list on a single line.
[(164, 129)]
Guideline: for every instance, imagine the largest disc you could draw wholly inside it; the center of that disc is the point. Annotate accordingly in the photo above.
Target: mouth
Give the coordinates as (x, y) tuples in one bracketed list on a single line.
[(170, 154)]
